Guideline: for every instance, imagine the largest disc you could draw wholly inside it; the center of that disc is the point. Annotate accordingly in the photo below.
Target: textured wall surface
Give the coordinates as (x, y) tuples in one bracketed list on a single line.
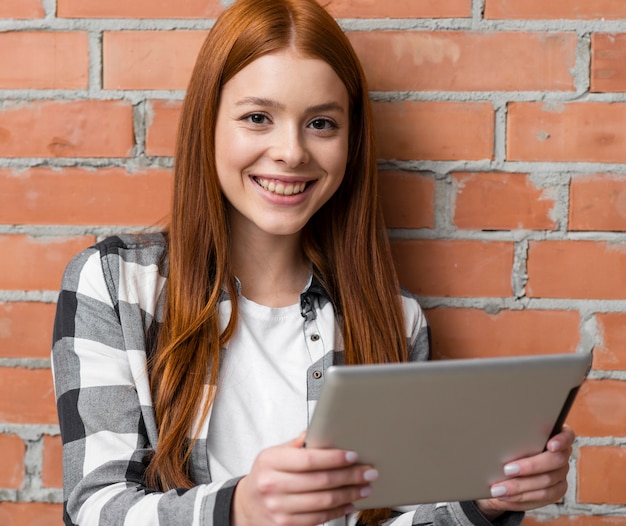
[(502, 131)]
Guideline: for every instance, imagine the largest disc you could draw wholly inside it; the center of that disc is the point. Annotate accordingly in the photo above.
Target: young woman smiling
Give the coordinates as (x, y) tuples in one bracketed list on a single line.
[(187, 363)]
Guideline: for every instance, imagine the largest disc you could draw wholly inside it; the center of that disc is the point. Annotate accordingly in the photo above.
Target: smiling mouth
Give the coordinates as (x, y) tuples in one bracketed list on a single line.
[(281, 187)]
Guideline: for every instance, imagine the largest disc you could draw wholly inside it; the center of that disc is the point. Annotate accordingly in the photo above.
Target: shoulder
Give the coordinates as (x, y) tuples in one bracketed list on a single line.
[(116, 264), (141, 249), (418, 332), (413, 313)]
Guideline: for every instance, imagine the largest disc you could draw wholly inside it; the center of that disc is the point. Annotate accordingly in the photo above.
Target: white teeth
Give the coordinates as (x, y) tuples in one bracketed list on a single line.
[(281, 188)]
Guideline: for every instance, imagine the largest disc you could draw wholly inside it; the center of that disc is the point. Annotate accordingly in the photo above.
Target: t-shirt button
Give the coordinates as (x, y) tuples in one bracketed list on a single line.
[(315, 337), (317, 374)]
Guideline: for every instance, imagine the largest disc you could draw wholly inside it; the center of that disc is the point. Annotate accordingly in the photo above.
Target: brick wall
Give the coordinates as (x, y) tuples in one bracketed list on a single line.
[(503, 149)]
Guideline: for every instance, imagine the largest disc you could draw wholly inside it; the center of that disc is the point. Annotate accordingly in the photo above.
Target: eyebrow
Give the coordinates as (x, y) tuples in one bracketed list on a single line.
[(261, 101)]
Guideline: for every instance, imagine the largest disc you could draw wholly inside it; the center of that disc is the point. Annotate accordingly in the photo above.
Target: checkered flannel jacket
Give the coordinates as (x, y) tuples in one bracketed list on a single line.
[(108, 312)]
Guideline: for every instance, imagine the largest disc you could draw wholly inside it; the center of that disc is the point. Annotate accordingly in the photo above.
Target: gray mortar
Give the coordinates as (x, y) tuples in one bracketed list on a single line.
[(32, 489)]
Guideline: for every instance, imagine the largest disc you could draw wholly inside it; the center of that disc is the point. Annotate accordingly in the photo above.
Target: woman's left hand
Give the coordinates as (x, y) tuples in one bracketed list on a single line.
[(534, 481)]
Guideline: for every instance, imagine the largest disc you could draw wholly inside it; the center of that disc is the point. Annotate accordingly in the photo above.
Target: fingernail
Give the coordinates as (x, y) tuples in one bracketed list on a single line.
[(554, 445), (498, 491), (370, 475), (511, 469), (351, 456), (366, 491)]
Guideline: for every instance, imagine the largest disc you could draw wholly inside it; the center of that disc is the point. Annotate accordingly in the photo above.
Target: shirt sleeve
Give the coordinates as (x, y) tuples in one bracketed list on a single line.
[(105, 428), (443, 513), (418, 330)]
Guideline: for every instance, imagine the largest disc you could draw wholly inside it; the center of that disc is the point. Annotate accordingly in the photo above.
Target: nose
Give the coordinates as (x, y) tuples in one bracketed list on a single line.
[(289, 146)]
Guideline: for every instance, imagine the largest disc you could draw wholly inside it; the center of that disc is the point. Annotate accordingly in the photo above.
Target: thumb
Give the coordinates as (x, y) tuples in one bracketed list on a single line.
[(298, 441)]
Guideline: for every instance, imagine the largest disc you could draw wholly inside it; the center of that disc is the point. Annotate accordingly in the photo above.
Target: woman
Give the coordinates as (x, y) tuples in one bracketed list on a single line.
[(186, 363)]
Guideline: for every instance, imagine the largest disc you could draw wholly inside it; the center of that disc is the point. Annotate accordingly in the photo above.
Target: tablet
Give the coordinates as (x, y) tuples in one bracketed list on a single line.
[(441, 431)]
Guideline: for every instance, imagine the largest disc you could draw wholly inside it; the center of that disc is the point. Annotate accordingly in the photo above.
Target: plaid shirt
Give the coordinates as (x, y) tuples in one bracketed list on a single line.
[(109, 309)]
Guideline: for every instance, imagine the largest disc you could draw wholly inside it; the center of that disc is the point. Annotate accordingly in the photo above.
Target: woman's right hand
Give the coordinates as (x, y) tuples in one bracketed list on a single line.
[(290, 485)]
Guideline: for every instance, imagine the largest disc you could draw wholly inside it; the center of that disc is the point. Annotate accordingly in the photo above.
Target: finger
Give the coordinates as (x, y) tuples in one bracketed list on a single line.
[(282, 482), (518, 489), (306, 519), (543, 462), (296, 442), (315, 502), (562, 440), (531, 499), (299, 460)]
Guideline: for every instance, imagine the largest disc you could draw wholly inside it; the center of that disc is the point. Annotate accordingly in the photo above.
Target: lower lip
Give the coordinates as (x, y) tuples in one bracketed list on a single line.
[(278, 199)]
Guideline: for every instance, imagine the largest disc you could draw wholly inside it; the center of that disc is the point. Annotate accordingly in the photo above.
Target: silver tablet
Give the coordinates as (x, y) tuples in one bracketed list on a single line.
[(442, 430)]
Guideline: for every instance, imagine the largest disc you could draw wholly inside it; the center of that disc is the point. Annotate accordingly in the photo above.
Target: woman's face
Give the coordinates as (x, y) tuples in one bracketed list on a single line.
[(281, 142)]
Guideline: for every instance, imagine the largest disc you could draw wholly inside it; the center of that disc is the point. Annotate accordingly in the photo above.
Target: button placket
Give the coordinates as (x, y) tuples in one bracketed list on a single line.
[(314, 341)]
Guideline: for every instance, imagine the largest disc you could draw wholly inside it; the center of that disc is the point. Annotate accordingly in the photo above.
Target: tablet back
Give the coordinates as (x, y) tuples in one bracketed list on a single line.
[(442, 430)]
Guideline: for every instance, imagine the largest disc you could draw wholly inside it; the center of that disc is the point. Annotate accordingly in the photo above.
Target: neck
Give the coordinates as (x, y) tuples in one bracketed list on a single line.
[(272, 271)]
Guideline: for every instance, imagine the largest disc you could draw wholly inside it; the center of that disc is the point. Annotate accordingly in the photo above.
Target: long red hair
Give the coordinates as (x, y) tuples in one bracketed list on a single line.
[(345, 240)]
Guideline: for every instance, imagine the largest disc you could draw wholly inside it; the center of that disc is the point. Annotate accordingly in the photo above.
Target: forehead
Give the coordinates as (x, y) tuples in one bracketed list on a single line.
[(287, 76)]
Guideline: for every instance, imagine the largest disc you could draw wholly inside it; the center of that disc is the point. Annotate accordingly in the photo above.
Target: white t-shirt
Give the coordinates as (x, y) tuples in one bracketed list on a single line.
[(261, 399)]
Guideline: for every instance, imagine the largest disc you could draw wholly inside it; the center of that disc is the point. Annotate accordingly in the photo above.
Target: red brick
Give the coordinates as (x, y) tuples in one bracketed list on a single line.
[(138, 9), (574, 520), (30, 263), (562, 132), (22, 9), (602, 475), (454, 268), (576, 269), (435, 131), (52, 469), (27, 396), (30, 514), (473, 333), (608, 61), (139, 60), (463, 61), (399, 8), (108, 196), (555, 9), (162, 127), (12, 449), (26, 329), (610, 353), (600, 409), (212, 8), (501, 201), (44, 60), (66, 129), (597, 202), (408, 199)]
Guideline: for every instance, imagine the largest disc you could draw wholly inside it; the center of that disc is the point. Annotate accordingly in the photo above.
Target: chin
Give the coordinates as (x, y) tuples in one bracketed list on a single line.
[(282, 229)]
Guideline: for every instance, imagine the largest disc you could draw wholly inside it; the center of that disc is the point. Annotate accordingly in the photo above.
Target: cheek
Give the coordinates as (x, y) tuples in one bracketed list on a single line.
[(232, 151), (337, 162)]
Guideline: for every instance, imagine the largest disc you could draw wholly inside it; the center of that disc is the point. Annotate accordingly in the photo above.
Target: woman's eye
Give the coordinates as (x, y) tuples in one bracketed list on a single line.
[(256, 118), (322, 124)]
